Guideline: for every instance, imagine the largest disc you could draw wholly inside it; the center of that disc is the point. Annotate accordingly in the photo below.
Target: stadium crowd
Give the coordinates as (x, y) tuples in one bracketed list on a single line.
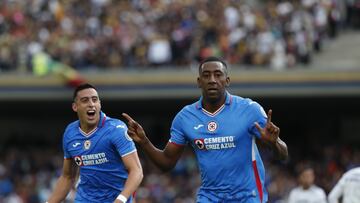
[(27, 175), (109, 34)]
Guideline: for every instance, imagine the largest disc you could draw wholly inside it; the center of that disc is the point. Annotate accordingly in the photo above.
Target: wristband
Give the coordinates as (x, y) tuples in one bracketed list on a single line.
[(122, 198)]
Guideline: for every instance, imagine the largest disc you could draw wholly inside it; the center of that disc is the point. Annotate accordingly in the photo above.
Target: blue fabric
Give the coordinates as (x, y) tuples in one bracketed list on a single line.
[(222, 143), (102, 172)]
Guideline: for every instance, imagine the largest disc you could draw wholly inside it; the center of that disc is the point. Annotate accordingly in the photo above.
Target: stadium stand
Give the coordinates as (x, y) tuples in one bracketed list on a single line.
[(121, 35)]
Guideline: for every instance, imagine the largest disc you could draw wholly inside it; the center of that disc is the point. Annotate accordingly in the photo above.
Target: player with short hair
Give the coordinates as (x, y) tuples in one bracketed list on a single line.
[(110, 170), (307, 191), (222, 129)]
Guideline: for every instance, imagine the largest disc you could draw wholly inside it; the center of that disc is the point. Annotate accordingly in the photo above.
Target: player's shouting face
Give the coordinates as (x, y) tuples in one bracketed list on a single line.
[(213, 80), (87, 105)]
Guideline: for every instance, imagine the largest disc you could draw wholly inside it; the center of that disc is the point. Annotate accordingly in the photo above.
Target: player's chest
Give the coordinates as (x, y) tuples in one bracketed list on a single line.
[(222, 124), (80, 144), (217, 132)]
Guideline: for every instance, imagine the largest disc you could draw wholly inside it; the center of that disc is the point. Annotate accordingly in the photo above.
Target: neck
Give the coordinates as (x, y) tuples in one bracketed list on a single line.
[(305, 187), (86, 128), (212, 106)]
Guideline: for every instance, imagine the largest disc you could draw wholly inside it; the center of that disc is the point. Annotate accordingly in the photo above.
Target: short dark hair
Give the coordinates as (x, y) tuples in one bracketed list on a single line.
[(82, 87), (212, 59), (301, 168)]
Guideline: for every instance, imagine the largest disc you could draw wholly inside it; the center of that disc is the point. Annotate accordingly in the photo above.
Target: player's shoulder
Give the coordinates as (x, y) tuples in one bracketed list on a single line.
[(353, 172), (71, 130), (243, 101), (186, 111), (295, 191), (114, 123), (114, 128), (317, 189), (189, 108), (72, 126)]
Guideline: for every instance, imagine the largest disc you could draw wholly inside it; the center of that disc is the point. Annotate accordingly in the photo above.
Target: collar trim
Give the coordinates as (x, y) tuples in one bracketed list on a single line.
[(215, 113), (228, 101), (88, 134)]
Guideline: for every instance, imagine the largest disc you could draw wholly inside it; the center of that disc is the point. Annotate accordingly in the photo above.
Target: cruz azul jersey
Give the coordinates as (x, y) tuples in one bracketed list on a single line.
[(224, 144), (98, 154)]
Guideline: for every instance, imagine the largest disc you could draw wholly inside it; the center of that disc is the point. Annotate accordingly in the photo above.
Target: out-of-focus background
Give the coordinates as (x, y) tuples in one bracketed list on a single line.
[(300, 58)]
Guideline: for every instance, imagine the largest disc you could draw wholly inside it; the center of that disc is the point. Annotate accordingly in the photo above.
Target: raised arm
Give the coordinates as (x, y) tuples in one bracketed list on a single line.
[(65, 182), (270, 137), (132, 164), (165, 159)]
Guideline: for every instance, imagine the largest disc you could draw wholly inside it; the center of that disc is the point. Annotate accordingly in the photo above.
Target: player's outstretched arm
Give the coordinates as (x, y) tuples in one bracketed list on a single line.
[(132, 164), (64, 183), (270, 136), (165, 159)]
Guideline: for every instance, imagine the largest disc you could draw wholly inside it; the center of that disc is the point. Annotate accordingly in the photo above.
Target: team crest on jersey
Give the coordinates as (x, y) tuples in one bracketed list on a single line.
[(199, 143), (78, 160), (212, 126), (87, 144)]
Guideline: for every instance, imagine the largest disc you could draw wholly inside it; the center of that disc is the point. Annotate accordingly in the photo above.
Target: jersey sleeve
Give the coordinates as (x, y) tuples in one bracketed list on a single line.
[(65, 141), (122, 141), (177, 135), (256, 114)]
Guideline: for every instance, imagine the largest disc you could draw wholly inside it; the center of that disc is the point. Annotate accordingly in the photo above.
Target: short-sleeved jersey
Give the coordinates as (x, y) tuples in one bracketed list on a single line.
[(348, 187), (224, 144), (98, 154), (313, 194)]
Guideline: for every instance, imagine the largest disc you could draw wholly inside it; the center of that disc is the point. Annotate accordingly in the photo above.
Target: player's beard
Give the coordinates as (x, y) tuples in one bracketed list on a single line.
[(214, 97)]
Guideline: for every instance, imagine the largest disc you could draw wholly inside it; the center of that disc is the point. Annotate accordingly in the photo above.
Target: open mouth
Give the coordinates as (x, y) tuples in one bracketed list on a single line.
[(91, 113)]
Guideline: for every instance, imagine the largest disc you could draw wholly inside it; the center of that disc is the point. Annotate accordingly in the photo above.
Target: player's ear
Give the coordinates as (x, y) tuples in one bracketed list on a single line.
[(227, 84), (74, 107)]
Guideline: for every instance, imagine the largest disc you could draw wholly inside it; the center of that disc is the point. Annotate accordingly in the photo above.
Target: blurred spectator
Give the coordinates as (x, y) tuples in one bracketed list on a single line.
[(307, 191), (108, 34)]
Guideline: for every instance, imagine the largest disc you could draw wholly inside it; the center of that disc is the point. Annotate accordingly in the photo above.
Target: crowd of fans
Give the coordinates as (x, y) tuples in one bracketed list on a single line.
[(105, 34), (28, 175)]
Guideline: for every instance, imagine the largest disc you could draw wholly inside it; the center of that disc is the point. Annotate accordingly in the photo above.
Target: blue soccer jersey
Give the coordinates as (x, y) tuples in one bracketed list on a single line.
[(224, 144), (98, 154)]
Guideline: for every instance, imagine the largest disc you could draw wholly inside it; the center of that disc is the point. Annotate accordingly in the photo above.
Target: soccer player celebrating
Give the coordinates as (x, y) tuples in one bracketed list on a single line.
[(110, 170), (222, 130)]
